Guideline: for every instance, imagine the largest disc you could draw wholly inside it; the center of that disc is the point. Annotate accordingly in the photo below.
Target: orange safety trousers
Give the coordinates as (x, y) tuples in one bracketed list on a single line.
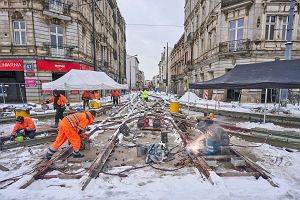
[(66, 132)]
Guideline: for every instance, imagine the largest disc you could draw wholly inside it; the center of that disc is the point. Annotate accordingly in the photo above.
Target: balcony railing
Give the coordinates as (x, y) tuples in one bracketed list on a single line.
[(59, 51), (58, 6), (226, 3), (235, 46)]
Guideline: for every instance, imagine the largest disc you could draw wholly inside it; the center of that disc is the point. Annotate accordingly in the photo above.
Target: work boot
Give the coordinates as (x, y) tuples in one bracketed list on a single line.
[(49, 153), (77, 154)]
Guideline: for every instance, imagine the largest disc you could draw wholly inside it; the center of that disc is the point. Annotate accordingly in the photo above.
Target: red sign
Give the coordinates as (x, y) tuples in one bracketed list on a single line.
[(59, 66), (74, 91), (46, 92), (11, 65), (86, 67), (30, 83)]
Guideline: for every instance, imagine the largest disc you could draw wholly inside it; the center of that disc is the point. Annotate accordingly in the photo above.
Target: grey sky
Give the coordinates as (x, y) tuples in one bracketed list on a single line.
[(148, 42)]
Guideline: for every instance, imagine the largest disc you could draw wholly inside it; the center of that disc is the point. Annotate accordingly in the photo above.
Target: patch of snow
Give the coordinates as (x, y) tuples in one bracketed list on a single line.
[(269, 126)]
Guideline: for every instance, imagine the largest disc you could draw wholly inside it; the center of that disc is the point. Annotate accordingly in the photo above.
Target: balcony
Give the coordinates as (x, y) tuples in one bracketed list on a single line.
[(59, 51), (57, 8), (189, 67), (235, 46), (225, 4)]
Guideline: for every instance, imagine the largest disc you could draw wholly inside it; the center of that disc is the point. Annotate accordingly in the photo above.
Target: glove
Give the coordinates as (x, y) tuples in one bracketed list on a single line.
[(85, 137)]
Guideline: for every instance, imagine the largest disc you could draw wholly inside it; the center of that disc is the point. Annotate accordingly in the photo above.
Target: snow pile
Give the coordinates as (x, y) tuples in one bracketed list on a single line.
[(269, 126), (190, 97)]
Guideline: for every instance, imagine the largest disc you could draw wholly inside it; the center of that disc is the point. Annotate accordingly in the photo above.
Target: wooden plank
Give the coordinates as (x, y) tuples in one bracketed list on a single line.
[(203, 168), (219, 157), (232, 174), (62, 176), (4, 168), (42, 170), (99, 163), (264, 173)]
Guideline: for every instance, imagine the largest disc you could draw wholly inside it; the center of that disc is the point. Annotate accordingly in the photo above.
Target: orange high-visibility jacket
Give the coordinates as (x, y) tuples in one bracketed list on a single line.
[(78, 121), (28, 124), (62, 100), (95, 95), (115, 93), (86, 95)]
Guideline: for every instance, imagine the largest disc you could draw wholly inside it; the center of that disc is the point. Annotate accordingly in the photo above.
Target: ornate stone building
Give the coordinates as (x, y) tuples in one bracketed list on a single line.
[(40, 40), (222, 33), (165, 70), (178, 68)]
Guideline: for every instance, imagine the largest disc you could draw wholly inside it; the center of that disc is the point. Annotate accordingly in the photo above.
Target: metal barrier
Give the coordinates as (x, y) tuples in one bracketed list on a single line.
[(12, 93)]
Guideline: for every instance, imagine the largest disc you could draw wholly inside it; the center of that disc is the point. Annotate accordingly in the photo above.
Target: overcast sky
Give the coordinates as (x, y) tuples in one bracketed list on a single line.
[(148, 42)]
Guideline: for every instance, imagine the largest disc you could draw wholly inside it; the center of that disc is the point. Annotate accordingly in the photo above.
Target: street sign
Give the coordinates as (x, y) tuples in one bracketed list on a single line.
[(30, 74), (29, 66), (30, 83)]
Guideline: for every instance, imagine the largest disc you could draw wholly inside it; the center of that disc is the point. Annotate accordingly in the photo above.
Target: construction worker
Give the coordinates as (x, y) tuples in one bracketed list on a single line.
[(24, 127), (95, 95), (115, 95), (59, 103), (208, 121), (86, 97), (72, 128), (144, 95)]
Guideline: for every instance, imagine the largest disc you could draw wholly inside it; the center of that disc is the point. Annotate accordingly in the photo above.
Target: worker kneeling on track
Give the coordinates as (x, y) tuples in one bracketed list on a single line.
[(72, 128), (24, 127)]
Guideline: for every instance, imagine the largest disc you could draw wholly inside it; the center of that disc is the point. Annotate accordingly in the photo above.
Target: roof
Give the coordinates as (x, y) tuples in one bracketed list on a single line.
[(277, 74)]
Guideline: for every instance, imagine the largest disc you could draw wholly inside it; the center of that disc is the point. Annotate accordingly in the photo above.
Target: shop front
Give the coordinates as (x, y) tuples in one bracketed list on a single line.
[(53, 70), (12, 82)]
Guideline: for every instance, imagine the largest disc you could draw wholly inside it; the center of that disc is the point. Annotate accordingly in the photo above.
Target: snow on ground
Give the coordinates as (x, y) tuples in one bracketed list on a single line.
[(293, 110), (269, 126), (147, 184)]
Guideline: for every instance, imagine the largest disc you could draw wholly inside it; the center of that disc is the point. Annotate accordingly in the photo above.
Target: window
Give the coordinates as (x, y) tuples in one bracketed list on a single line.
[(202, 46), (270, 27), (236, 34), (19, 32), (285, 22), (57, 40)]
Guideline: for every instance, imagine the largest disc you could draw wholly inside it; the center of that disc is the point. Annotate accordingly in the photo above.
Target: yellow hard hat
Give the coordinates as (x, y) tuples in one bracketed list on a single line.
[(211, 116)]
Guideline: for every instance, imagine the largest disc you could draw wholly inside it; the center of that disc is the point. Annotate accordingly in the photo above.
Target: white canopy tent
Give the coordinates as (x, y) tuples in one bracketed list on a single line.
[(84, 80)]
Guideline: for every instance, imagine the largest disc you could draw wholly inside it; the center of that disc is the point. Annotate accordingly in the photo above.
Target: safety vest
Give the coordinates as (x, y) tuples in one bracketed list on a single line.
[(144, 94), (62, 100), (78, 121), (27, 124), (96, 95), (86, 95), (115, 93)]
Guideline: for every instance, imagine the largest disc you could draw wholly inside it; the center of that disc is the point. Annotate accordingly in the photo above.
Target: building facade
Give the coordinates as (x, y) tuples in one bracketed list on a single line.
[(140, 80), (178, 86), (132, 70), (155, 81), (165, 70), (41, 40), (220, 34)]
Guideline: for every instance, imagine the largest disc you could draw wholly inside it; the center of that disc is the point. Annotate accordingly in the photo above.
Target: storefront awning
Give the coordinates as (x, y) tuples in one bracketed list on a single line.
[(278, 74), (83, 80)]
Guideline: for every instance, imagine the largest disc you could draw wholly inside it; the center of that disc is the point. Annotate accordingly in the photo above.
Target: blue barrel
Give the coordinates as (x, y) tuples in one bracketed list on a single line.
[(211, 146)]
